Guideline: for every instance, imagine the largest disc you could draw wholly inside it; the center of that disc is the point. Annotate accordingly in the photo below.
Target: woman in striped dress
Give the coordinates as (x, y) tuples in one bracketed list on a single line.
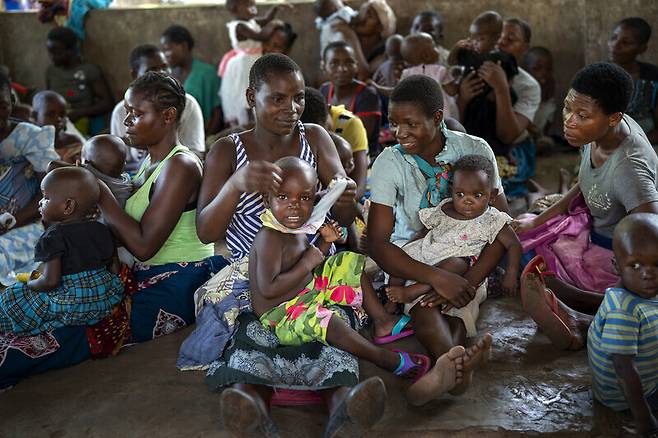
[(238, 169)]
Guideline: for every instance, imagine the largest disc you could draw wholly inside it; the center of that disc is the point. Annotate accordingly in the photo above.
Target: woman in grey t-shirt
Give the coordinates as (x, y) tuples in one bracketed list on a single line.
[(573, 237)]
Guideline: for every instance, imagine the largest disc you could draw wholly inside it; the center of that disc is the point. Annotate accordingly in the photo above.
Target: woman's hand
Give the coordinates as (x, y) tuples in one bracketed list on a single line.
[(494, 75), (454, 288), (257, 176)]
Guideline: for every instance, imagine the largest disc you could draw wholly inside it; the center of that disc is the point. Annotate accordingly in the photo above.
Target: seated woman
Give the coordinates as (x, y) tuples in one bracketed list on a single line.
[(157, 227), (343, 88), (239, 169), (628, 41), (199, 78), (82, 84), (375, 23), (414, 175), (25, 151), (573, 237)]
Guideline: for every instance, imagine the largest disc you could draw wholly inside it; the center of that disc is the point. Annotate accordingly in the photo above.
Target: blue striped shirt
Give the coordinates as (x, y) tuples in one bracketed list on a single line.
[(246, 221), (625, 324)]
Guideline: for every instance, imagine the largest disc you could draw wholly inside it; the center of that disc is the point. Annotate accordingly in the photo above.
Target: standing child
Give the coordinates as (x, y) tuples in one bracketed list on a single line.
[(622, 342), (298, 294), (247, 33), (76, 287), (459, 228), (49, 108), (82, 85), (343, 88)]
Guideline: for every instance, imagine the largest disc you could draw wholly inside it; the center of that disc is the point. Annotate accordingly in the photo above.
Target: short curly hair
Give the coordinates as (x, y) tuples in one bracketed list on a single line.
[(272, 63), (475, 163), (315, 109), (419, 89), (607, 83)]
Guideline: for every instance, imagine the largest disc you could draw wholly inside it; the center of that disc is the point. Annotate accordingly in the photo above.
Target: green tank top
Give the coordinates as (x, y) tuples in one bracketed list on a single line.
[(183, 244)]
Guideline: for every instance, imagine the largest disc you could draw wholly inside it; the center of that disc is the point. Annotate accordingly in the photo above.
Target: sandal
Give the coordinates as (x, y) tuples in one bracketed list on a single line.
[(409, 368), (397, 333), (534, 266), (545, 314)]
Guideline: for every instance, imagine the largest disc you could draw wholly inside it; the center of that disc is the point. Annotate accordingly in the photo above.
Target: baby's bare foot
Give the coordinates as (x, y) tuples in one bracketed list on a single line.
[(475, 356), (444, 376)]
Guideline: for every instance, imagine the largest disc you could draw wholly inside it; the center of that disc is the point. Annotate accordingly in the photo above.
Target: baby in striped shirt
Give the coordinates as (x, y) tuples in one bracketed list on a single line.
[(622, 342)]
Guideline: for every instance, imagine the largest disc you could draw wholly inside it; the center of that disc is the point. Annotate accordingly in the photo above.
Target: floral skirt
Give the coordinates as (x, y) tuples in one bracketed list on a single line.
[(255, 356), (305, 318)]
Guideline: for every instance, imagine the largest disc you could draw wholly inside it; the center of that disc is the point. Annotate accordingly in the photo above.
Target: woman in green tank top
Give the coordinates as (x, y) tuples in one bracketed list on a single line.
[(158, 224)]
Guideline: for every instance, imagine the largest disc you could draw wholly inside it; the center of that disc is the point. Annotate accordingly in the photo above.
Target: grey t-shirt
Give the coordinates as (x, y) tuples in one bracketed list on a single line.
[(625, 181)]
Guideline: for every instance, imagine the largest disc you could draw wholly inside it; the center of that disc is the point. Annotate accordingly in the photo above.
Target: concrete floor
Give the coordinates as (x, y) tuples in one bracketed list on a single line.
[(528, 388)]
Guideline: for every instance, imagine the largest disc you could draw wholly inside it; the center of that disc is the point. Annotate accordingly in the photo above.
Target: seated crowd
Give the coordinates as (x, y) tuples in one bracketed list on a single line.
[(414, 156)]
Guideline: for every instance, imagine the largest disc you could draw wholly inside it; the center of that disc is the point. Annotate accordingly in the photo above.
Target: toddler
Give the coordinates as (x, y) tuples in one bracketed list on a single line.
[(77, 286), (297, 292), (105, 157), (459, 229), (485, 30), (622, 342), (247, 33), (83, 85), (388, 73), (49, 108)]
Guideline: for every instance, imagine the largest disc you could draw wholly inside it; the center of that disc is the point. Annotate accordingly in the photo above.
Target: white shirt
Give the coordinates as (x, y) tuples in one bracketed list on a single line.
[(528, 94), (191, 131)]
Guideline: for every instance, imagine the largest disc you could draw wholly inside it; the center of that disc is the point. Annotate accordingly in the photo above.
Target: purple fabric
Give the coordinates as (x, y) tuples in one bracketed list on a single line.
[(564, 242)]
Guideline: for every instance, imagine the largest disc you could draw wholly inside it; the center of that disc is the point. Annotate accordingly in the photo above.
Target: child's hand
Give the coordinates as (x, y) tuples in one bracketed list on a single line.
[(312, 257), (510, 284), (464, 44), (330, 232)]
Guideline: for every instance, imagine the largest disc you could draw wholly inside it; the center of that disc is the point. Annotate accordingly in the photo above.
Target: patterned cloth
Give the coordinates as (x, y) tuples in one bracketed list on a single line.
[(255, 356), (82, 298), (569, 247), (22, 356), (625, 324), (305, 318), (26, 150)]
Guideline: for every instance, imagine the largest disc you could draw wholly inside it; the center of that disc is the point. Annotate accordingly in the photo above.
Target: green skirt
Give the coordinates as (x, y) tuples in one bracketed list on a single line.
[(305, 318)]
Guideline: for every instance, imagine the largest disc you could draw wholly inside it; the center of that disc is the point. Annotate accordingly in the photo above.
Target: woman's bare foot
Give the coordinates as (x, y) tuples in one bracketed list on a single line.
[(566, 328), (444, 376), (475, 356)]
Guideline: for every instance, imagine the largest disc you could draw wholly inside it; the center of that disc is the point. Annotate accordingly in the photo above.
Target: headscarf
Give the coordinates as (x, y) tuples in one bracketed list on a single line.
[(385, 14)]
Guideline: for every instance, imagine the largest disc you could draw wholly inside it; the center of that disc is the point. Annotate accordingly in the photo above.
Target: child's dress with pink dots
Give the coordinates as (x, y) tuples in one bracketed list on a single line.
[(234, 70), (449, 237)]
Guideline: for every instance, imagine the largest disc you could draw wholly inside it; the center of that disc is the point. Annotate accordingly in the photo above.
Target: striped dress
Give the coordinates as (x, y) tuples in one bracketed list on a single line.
[(246, 221), (625, 324)]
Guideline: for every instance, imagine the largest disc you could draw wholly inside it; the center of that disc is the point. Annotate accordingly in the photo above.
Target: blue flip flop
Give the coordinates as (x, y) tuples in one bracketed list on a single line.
[(397, 333), (409, 369)]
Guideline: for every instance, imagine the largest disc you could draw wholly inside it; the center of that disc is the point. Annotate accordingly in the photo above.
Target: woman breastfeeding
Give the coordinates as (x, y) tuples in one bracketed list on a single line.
[(157, 227), (238, 170)]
